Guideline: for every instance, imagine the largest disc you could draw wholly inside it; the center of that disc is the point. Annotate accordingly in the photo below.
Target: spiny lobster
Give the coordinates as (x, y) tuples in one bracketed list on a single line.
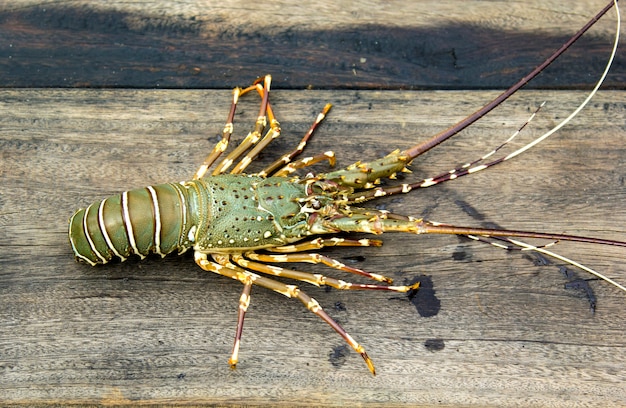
[(239, 225)]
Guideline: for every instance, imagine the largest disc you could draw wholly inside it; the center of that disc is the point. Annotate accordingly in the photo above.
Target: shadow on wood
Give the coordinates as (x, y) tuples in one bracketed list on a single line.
[(89, 46)]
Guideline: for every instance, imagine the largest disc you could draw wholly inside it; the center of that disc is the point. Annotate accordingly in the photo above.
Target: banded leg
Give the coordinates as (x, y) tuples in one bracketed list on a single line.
[(314, 279), (290, 291), (305, 162), (254, 140), (315, 258), (319, 243), (272, 133), (288, 157), (283, 164), (221, 146), (244, 302), (253, 137)]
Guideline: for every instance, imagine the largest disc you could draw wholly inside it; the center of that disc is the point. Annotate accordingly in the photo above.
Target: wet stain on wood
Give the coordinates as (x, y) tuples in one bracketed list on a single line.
[(424, 298)]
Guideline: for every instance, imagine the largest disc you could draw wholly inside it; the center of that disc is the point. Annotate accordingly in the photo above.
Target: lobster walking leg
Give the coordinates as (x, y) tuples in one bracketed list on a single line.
[(253, 137), (288, 157), (244, 302), (320, 242), (282, 166), (290, 291), (316, 244), (272, 133), (305, 162), (221, 146), (315, 279), (257, 144), (315, 258)]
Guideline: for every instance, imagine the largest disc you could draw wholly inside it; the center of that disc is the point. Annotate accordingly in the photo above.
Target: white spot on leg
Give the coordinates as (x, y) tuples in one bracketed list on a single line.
[(428, 182)]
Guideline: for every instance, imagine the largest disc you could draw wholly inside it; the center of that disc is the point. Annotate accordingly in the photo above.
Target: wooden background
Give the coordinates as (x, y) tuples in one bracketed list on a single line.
[(98, 98)]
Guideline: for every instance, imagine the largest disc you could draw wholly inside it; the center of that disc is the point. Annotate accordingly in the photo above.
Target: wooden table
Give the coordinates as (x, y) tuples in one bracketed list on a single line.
[(98, 99)]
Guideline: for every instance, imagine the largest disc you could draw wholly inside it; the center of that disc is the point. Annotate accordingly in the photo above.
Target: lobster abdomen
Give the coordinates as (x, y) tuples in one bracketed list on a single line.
[(151, 219)]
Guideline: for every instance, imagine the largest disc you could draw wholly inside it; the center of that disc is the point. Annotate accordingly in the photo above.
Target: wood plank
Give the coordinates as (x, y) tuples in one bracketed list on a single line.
[(495, 329), (502, 329), (475, 44)]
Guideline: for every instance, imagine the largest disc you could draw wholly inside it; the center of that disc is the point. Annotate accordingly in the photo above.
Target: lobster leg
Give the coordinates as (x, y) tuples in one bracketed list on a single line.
[(316, 259), (320, 242), (305, 162), (314, 279), (291, 291), (288, 157), (244, 302), (221, 146), (253, 137), (252, 140), (271, 134)]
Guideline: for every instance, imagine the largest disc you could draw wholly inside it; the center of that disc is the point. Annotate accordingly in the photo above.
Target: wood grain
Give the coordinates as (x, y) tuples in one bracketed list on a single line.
[(506, 332), (488, 328)]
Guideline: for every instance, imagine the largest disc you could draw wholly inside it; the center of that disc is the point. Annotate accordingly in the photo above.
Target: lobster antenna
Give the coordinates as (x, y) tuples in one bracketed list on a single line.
[(423, 147), (585, 102), (465, 169), (474, 167), (421, 226), (571, 116)]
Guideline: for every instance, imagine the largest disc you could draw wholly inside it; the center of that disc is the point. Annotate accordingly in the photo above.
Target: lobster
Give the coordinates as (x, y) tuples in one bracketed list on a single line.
[(241, 225)]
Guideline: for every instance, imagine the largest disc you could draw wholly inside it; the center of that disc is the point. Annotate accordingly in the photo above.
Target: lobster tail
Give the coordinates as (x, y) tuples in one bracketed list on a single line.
[(141, 221)]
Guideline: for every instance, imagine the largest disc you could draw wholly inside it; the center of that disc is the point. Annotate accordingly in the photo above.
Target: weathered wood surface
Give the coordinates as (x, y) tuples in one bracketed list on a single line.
[(502, 329), (161, 330)]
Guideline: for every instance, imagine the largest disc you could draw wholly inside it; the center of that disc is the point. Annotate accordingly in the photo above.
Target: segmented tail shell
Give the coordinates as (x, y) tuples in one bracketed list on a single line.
[(151, 219)]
